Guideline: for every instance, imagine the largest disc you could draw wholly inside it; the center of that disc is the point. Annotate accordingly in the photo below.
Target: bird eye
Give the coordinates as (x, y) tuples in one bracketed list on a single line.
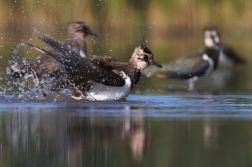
[(145, 57)]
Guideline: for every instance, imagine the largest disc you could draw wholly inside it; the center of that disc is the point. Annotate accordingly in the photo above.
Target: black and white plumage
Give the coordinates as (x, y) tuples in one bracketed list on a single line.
[(100, 77), (194, 65)]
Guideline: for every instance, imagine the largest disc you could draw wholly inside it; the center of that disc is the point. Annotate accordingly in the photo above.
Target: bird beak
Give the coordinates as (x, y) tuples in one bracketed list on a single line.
[(155, 64)]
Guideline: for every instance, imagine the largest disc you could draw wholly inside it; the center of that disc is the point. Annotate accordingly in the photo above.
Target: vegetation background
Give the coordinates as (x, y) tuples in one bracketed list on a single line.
[(172, 28)]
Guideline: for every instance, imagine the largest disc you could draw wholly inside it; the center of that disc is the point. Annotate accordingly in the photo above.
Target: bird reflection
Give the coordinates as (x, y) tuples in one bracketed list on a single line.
[(72, 139), (138, 140), (210, 135), (101, 135)]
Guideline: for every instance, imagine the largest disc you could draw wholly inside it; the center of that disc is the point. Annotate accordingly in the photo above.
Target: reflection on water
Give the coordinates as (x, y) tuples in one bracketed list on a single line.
[(201, 128), (210, 134), (51, 138), (172, 130)]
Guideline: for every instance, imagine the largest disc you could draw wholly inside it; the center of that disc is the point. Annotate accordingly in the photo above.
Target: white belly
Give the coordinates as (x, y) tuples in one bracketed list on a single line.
[(100, 92), (211, 64)]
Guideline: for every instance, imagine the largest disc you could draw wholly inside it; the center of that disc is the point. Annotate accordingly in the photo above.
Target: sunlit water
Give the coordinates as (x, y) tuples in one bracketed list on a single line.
[(178, 129), (161, 124), (165, 126), (187, 105)]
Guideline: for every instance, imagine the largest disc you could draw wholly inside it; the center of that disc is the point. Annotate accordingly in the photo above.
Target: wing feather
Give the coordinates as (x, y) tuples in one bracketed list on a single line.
[(187, 67), (80, 67)]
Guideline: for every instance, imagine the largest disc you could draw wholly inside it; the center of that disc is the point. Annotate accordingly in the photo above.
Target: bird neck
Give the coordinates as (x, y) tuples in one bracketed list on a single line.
[(133, 72), (214, 54), (130, 69), (80, 41)]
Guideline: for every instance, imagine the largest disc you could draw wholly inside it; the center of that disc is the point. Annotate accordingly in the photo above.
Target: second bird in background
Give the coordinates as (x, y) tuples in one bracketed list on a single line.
[(228, 57), (45, 65), (194, 65)]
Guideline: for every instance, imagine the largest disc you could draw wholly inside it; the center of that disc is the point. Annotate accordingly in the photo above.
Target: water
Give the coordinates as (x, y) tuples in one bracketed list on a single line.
[(159, 106), (184, 129), (161, 123)]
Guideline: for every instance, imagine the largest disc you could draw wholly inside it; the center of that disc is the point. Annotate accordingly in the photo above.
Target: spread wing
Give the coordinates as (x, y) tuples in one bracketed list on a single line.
[(186, 67), (80, 67)]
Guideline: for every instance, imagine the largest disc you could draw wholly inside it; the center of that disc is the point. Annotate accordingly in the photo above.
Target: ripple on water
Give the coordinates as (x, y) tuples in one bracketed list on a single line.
[(171, 105)]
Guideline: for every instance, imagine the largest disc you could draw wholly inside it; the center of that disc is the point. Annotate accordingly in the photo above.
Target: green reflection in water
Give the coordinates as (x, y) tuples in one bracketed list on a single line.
[(37, 138), (173, 28)]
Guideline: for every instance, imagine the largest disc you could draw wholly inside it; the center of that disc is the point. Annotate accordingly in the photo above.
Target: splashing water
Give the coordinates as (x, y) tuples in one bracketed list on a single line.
[(27, 87)]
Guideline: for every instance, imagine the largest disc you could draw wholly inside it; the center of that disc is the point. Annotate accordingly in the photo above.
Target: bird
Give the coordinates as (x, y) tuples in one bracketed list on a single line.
[(99, 77), (194, 65), (44, 65), (77, 32), (228, 57)]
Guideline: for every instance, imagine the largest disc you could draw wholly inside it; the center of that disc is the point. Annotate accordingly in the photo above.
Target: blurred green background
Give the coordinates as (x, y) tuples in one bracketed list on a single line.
[(172, 29), (62, 135)]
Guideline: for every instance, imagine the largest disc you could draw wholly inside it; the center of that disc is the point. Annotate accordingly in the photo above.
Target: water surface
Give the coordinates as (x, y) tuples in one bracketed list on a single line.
[(161, 123), (183, 129)]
